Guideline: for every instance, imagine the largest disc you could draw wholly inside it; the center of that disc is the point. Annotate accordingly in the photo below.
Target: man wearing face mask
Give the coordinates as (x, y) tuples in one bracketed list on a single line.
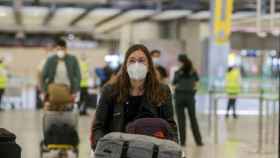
[(62, 69), (161, 71)]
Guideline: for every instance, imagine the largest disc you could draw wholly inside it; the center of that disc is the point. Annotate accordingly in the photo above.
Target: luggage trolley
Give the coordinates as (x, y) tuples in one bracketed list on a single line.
[(60, 149)]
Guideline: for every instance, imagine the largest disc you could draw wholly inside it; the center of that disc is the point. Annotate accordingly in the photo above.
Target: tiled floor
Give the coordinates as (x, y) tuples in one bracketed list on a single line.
[(237, 138)]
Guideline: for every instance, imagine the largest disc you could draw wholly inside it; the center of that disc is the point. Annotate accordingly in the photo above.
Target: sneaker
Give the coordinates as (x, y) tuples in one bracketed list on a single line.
[(200, 144), (235, 116), (227, 116)]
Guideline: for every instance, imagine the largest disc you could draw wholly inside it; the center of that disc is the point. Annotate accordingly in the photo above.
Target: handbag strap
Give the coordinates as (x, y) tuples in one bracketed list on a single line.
[(124, 149), (155, 151)]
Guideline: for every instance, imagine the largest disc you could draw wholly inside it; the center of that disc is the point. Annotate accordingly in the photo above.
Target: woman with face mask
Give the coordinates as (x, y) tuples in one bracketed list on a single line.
[(134, 93)]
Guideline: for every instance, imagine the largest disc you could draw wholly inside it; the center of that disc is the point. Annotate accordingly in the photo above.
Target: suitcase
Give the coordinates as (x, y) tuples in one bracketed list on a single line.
[(120, 145), (8, 146)]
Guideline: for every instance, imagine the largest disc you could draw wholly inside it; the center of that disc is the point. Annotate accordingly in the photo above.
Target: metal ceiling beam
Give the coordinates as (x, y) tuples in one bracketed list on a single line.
[(110, 18), (128, 17), (18, 17), (50, 15), (17, 11), (80, 17)]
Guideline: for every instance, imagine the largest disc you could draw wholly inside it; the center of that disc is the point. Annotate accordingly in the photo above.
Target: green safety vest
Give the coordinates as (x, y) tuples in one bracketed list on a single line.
[(3, 77), (85, 74), (233, 84)]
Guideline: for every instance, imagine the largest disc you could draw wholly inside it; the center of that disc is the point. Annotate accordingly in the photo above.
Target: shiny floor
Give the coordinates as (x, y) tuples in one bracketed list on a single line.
[(236, 138)]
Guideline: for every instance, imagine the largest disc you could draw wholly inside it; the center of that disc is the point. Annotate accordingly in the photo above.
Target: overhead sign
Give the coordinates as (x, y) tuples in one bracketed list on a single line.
[(222, 13)]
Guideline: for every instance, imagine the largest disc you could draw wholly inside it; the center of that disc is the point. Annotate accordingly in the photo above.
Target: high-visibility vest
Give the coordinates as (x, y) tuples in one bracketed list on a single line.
[(3, 77), (233, 81), (85, 74)]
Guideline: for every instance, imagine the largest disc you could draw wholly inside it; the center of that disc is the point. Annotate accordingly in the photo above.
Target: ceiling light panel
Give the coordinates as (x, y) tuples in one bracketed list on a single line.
[(202, 15), (171, 15), (64, 16), (7, 16), (97, 16), (127, 17), (34, 16)]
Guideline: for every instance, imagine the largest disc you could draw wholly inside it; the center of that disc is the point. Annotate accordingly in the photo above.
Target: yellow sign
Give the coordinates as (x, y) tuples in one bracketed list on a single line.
[(222, 20)]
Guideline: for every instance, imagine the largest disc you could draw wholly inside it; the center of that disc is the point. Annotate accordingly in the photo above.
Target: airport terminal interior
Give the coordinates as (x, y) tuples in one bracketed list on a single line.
[(231, 46)]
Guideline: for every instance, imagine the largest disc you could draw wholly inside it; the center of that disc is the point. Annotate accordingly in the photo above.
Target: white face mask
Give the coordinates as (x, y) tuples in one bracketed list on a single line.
[(156, 61), (137, 71), (113, 65), (60, 54)]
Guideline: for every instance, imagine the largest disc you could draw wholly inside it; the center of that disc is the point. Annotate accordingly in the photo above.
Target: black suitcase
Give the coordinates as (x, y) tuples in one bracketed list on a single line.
[(61, 134), (8, 146)]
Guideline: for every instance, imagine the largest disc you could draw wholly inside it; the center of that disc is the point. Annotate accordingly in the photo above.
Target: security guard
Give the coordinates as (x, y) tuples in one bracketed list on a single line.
[(233, 84), (185, 81), (3, 80), (84, 85)]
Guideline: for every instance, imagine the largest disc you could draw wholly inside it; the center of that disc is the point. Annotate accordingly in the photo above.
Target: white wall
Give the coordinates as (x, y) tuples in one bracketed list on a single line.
[(143, 31), (139, 32), (25, 61)]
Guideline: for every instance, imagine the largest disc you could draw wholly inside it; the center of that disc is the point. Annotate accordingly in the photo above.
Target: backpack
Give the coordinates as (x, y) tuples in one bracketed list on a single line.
[(155, 127), (8, 146), (120, 145)]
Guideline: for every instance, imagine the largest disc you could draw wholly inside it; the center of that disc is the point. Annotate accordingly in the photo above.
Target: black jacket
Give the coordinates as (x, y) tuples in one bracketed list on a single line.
[(110, 114), (185, 82)]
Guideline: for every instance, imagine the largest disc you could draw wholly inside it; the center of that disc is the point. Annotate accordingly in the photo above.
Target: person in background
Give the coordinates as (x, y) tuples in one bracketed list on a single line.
[(110, 70), (3, 80), (62, 69), (84, 85), (185, 83), (39, 87), (133, 94), (161, 71), (233, 84)]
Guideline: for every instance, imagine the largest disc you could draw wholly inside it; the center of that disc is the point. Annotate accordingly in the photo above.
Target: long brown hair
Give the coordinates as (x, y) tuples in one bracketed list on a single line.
[(187, 64), (152, 88)]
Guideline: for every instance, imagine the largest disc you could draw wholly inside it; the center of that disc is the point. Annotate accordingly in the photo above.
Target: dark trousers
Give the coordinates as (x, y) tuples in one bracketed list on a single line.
[(183, 101), (231, 105), (83, 99), (1, 96)]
